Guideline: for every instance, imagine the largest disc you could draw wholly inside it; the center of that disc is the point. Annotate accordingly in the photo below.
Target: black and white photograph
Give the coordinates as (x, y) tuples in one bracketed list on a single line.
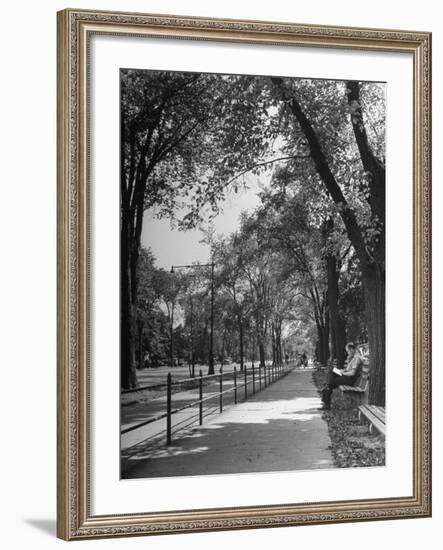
[(219, 274), (252, 274)]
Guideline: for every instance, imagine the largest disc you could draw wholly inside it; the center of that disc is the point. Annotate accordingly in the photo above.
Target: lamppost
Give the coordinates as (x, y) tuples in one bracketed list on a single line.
[(211, 341)]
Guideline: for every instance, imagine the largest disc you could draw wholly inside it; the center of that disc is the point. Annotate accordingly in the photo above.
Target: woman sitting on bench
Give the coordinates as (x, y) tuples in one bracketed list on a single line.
[(346, 377)]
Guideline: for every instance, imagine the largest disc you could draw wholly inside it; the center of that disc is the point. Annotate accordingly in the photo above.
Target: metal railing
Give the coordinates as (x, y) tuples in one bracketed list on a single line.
[(254, 379)]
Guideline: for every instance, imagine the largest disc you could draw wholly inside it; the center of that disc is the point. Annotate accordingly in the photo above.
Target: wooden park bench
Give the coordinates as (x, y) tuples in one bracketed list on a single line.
[(357, 394), (375, 416)]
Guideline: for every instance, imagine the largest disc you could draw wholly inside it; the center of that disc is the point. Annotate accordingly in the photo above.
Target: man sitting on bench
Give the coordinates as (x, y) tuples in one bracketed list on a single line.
[(346, 377)]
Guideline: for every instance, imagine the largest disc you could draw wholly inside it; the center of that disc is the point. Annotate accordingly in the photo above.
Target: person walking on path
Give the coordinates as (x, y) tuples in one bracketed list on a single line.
[(347, 377)]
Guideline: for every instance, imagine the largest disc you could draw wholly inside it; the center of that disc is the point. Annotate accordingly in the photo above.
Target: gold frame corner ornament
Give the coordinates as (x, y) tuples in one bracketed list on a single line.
[(74, 520)]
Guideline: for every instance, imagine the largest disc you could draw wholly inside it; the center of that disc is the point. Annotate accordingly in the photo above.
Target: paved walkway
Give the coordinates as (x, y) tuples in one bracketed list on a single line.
[(148, 407), (278, 429)]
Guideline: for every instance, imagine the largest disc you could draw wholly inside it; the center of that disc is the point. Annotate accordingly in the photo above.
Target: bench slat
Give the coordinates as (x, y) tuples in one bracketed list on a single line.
[(375, 415), (367, 413), (379, 412), (351, 388)]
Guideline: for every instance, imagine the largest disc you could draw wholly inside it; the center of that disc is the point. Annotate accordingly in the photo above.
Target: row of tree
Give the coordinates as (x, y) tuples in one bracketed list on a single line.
[(280, 283), (174, 324), (315, 247)]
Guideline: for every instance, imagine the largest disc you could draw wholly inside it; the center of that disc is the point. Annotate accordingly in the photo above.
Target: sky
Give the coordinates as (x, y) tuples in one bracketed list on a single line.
[(172, 247)]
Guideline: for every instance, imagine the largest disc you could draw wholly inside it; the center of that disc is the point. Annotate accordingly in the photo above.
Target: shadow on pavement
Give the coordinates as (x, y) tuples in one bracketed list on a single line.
[(261, 435)]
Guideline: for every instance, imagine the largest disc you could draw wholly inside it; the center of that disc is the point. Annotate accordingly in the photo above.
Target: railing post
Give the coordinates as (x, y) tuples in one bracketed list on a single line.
[(269, 374), (235, 385), (221, 389), (253, 379), (168, 408), (200, 384), (259, 377), (246, 381)]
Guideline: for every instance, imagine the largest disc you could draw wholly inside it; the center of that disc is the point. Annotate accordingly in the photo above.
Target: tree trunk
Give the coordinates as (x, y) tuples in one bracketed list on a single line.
[(127, 317), (204, 354), (371, 255), (374, 289), (140, 344), (332, 340), (261, 350), (373, 262), (323, 343), (279, 344), (340, 341), (171, 336), (338, 327), (320, 346), (240, 334), (274, 354), (321, 316), (326, 335), (223, 347)]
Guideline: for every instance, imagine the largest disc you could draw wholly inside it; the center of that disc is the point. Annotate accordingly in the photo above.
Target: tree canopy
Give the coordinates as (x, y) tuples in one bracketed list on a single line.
[(310, 259)]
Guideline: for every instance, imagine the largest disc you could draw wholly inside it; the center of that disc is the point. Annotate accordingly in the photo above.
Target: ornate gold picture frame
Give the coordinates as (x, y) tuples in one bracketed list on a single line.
[(75, 516)]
